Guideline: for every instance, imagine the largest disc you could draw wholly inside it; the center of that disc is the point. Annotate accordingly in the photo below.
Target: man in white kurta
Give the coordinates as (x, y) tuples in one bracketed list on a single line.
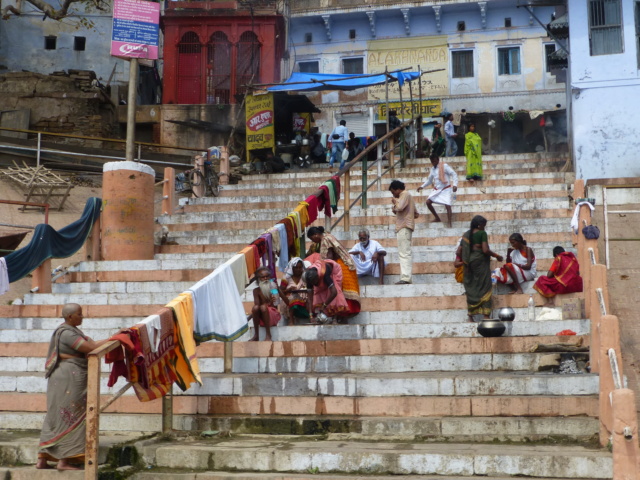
[(368, 256), (445, 183)]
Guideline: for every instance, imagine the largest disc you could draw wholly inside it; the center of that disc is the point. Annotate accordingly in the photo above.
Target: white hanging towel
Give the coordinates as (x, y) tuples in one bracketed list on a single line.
[(219, 313), (575, 221), (4, 276)]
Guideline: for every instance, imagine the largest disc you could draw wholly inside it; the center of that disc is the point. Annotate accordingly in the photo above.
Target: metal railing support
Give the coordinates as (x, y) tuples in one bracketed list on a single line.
[(403, 150), (392, 156), (379, 166), (347, 198), (167, 412)]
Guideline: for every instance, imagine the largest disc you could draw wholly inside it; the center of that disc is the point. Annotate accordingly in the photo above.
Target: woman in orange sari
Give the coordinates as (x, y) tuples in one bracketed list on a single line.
[(330, 248), (563, 277)]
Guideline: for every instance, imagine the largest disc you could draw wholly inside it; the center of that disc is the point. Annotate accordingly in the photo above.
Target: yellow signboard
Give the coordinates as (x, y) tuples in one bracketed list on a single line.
[(426, 108), (259, 115), (428, 53)]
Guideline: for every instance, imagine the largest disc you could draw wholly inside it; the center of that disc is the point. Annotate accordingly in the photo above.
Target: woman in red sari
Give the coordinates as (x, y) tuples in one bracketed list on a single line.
[(563, 277)]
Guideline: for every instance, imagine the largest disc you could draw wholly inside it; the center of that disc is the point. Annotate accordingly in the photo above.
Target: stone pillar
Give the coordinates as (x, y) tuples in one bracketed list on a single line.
[(41, 277), (609, 338), (127, 213), (626, 455)]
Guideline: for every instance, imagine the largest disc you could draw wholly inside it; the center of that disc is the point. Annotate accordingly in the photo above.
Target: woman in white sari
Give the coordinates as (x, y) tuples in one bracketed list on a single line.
[(520, 264)]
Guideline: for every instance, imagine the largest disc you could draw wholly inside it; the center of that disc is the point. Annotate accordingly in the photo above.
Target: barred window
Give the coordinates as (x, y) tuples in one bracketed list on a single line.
[(605, 27), (462, 64), (309, 67), (549, 49), (353, 66)]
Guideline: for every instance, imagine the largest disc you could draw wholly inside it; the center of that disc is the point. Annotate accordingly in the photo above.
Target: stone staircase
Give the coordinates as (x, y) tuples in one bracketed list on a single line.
[(407, 389)]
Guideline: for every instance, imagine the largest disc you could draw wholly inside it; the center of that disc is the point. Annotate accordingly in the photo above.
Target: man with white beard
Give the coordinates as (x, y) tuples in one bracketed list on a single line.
[(266, 297), (368, 256)]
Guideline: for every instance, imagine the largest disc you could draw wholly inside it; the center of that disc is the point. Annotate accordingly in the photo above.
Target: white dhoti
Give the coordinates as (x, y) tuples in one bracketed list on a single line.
[(367, 266), (443, 196), (522, 275)]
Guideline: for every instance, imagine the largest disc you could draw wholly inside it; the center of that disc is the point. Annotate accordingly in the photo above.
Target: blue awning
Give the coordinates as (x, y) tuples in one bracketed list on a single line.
[(301, 82)]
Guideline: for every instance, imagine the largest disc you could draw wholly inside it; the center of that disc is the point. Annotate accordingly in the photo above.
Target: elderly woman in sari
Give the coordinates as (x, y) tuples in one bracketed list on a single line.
[(295, 288), (563, 277), (520, 264), (476, 256), (63, 433), (330, 248), (324, 281)]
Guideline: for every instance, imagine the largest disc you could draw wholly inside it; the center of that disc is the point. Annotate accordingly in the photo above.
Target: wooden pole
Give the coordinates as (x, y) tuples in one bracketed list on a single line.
[(347, 200), (92, 439)]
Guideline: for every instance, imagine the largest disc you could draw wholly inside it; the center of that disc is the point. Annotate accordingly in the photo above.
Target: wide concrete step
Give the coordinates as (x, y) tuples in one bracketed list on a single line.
[(179, 474), (273, 455), (421, 429), (507, 205), (398, 384)]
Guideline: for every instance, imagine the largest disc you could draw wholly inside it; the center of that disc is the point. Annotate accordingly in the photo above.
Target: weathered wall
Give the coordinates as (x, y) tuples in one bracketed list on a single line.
[(22, 44), (57, 104), (605, 93)]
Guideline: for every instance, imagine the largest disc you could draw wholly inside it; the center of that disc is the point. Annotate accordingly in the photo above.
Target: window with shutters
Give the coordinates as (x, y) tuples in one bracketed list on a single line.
[(605, 27), (509, 61), (462, 63)]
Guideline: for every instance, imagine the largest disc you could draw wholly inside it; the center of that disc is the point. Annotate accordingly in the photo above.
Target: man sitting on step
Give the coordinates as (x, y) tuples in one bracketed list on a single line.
[(368, 256), (266, 297)]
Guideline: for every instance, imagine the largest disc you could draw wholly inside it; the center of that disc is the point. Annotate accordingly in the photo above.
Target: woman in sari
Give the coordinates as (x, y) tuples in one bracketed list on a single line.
[(324, 280), (476, 256), (330, 248), (563, 277), (63, 433), (520, 265), (292, 284), (473, 152)]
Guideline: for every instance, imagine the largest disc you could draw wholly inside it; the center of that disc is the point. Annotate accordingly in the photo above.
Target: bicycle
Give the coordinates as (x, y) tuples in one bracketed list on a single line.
[(195, 178)]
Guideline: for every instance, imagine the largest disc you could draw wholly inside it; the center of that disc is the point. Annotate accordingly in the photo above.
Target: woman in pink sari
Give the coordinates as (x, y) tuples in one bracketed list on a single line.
[(325, 277)]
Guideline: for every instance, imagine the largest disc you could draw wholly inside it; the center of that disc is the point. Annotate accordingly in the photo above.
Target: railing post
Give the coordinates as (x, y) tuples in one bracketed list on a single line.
[(379, 165), (168, 191), (224, 166), (93, 418), (347, 199), (228, 357), (199, 190), (403, 150), (609, 338), (38, 151), (392, 157), (167, 412), (626, 454), (597, 280), (364, 183), (41, 278), (92, 245)]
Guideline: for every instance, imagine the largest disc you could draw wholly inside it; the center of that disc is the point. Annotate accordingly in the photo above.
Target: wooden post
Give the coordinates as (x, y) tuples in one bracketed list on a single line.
[(363, 200), (92, 245), (41, 277), (379, 165), (347, 200), (609, 338), (93, 419), (168, 191), (224, 166), (392, 159), (228, 357)]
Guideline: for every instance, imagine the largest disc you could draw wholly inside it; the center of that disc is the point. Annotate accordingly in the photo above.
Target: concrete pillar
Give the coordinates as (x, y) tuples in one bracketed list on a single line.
[(92, 245), (609, 338), (626, 455), (127, 214), (41, 277)]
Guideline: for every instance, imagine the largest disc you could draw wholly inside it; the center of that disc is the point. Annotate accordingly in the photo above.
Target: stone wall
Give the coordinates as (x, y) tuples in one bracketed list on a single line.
[(60, 103)]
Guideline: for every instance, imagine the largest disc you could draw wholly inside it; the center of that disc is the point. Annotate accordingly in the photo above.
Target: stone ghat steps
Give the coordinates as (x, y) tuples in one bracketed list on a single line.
[(498, 205), (460, 222), (168, 474), (354, 385), (409, 177), (277, 201), (421, 429), (273, 455), (495, 406), (381, 363)]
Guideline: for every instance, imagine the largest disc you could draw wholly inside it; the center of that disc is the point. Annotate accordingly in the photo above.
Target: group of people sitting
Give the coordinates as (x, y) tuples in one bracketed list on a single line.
[(320, 287), (472, 262)]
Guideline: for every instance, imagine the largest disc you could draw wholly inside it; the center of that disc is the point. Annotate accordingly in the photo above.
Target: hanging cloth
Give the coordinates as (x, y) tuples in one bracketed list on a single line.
[(303, 211), (238, 266), (336, 182), (283, 258), (269, 259), (187, 368), (250, 259), (324, 201), (313, 207)]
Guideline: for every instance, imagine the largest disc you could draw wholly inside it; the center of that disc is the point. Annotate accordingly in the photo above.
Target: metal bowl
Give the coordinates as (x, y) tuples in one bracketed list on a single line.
[(491, 328), (506, 314)]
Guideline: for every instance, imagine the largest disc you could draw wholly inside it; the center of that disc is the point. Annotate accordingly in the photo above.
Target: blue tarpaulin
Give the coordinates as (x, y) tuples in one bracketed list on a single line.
[(49, 243), (300, 82)]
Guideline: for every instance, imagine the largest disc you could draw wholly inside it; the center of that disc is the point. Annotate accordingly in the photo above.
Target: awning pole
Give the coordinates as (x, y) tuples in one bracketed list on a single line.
[(386, 93)]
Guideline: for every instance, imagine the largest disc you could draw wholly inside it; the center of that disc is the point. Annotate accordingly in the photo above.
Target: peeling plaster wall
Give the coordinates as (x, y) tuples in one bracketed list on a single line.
[(605, 98), (22, 45)]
